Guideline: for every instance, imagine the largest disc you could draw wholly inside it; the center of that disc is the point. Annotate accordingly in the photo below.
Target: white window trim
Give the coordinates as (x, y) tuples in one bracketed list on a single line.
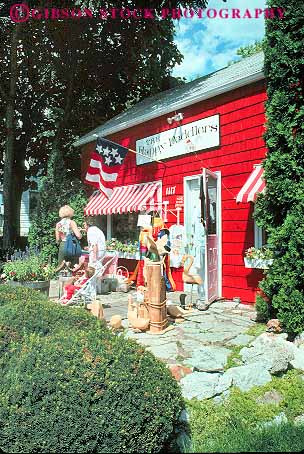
[(258, 236)]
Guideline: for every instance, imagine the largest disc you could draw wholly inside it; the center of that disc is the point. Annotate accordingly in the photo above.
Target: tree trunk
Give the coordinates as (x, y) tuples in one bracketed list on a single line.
[(9, 225)]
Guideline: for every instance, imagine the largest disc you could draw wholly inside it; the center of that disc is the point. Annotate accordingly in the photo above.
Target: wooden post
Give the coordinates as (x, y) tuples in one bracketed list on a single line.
[(156, 297)]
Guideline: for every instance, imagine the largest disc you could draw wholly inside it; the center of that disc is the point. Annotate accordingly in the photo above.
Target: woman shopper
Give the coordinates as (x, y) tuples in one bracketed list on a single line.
[(65, 226)]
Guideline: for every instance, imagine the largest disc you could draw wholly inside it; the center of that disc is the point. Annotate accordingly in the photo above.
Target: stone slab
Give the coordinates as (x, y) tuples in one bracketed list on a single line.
[(199, 385), (248, 376), (241, 339), (209, 358)]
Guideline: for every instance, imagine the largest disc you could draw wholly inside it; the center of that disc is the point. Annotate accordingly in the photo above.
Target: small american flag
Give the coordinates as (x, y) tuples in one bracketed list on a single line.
[(105, 164)]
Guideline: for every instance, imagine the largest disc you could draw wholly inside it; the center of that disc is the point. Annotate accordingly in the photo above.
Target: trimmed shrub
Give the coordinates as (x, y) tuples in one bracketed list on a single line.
[(281, 209), (262, 308), (70, 385)]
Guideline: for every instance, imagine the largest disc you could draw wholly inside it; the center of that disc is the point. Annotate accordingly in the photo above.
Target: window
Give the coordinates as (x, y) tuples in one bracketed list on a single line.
[(260, 237), (124, 227)]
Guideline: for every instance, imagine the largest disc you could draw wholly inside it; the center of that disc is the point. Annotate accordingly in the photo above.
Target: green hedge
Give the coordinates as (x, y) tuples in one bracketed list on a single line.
[(281, 209), (69, 385)]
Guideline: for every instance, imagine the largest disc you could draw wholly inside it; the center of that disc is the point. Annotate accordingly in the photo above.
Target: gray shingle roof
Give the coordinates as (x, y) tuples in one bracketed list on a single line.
[(245, 71)]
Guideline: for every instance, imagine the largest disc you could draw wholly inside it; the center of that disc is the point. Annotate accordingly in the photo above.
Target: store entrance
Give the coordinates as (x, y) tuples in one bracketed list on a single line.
[(203, 231)]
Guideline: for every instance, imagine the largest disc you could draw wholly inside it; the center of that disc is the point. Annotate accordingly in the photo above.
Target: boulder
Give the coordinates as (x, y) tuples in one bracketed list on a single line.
[(202, 385), (299, 339), (270, 397), (178, 371), (281, 418), (298, 361), (245, 377), (270, 350), (199, 385)]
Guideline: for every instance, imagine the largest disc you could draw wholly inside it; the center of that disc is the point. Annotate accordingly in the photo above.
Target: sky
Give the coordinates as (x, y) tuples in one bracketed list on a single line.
[(209, 44)]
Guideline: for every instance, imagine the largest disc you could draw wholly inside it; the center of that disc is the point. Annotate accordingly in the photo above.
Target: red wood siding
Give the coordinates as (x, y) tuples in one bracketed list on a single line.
[(241, 145)]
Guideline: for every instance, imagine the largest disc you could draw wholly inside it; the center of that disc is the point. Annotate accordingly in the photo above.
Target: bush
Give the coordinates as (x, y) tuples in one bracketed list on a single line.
[(281, 209), (32, 268), (239, 423), (69, 385), (262, 309)]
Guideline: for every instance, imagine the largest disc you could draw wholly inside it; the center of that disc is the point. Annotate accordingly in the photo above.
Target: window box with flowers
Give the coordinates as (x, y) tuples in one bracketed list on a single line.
[(128, 250), (31, 272), (258, 258)]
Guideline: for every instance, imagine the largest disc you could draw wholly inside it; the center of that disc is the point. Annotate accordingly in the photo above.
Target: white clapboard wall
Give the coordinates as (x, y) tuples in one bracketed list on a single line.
[(24, 213)]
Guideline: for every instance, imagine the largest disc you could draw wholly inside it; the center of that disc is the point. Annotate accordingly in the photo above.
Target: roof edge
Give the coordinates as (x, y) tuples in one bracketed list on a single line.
[(90, 137)]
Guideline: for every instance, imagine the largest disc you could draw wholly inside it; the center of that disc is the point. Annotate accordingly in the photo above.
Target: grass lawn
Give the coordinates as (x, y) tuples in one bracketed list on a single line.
[(237, 424)]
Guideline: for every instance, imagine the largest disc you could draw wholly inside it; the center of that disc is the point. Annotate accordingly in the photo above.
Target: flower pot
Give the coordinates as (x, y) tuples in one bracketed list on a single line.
[(42, 286), (257, 263)]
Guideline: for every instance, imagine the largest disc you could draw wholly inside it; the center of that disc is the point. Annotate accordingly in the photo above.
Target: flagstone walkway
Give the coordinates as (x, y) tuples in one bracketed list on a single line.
[(197, 350)]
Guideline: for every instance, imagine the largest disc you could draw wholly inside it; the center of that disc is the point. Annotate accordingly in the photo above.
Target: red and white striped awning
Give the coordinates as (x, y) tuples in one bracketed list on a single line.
[(137, 197), (253, 186)]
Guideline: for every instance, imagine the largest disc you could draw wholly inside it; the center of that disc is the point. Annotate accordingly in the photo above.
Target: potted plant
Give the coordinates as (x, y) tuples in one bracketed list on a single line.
[(260, 258), (125, 250), (31, 272)]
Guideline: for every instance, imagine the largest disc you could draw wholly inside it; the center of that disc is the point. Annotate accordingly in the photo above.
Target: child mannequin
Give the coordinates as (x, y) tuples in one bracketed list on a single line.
[(73, 286)]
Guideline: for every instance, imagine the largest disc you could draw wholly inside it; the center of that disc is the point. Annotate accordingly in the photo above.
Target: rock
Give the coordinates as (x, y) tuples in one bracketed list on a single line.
[(274, 326), (224, 305), (247, 307), (270, 350), (115, 322), (276, 421), (241, 339), (209, 358), (299, 420), (183, 442), (298, 361), (245, 377), (223, 384), (166, 351), (178, 371), (220, 399), (184, 417), (270, 397), (200, 385), (299, 339)]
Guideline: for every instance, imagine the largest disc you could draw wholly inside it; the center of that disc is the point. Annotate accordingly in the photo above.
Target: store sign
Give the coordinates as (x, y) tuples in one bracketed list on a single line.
[(179, 202), (196, 136)]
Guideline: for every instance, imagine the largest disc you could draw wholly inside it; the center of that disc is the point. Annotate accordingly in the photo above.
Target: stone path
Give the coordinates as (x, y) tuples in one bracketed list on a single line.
[(197, 350)]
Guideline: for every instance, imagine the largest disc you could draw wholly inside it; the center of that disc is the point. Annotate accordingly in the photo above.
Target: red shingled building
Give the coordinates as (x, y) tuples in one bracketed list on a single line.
[(208, 135)]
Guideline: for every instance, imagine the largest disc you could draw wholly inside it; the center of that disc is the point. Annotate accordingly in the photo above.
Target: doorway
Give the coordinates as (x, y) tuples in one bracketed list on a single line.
[(203, 231)]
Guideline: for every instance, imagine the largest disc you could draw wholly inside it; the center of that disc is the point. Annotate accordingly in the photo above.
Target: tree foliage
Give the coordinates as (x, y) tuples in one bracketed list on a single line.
[(72, 75), (251, 49), (54, 195), (281, 210)]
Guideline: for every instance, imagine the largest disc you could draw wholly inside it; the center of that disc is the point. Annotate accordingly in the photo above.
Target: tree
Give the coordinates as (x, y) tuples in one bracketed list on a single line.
[(281, 210), (70, 76), (251, 49)]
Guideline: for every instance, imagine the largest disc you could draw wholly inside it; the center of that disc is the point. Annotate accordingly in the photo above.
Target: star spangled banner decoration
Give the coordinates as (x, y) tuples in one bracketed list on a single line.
[(105, 164)]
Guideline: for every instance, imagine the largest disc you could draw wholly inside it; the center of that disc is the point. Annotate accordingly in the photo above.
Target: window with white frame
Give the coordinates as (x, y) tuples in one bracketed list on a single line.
[(260, 237)]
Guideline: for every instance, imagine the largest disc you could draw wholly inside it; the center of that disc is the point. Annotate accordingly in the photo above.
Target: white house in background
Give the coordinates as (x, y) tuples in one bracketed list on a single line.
[(28, 206)]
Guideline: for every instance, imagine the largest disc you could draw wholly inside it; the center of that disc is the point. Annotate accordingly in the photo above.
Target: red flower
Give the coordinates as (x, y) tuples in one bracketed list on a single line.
[(12, 273)]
